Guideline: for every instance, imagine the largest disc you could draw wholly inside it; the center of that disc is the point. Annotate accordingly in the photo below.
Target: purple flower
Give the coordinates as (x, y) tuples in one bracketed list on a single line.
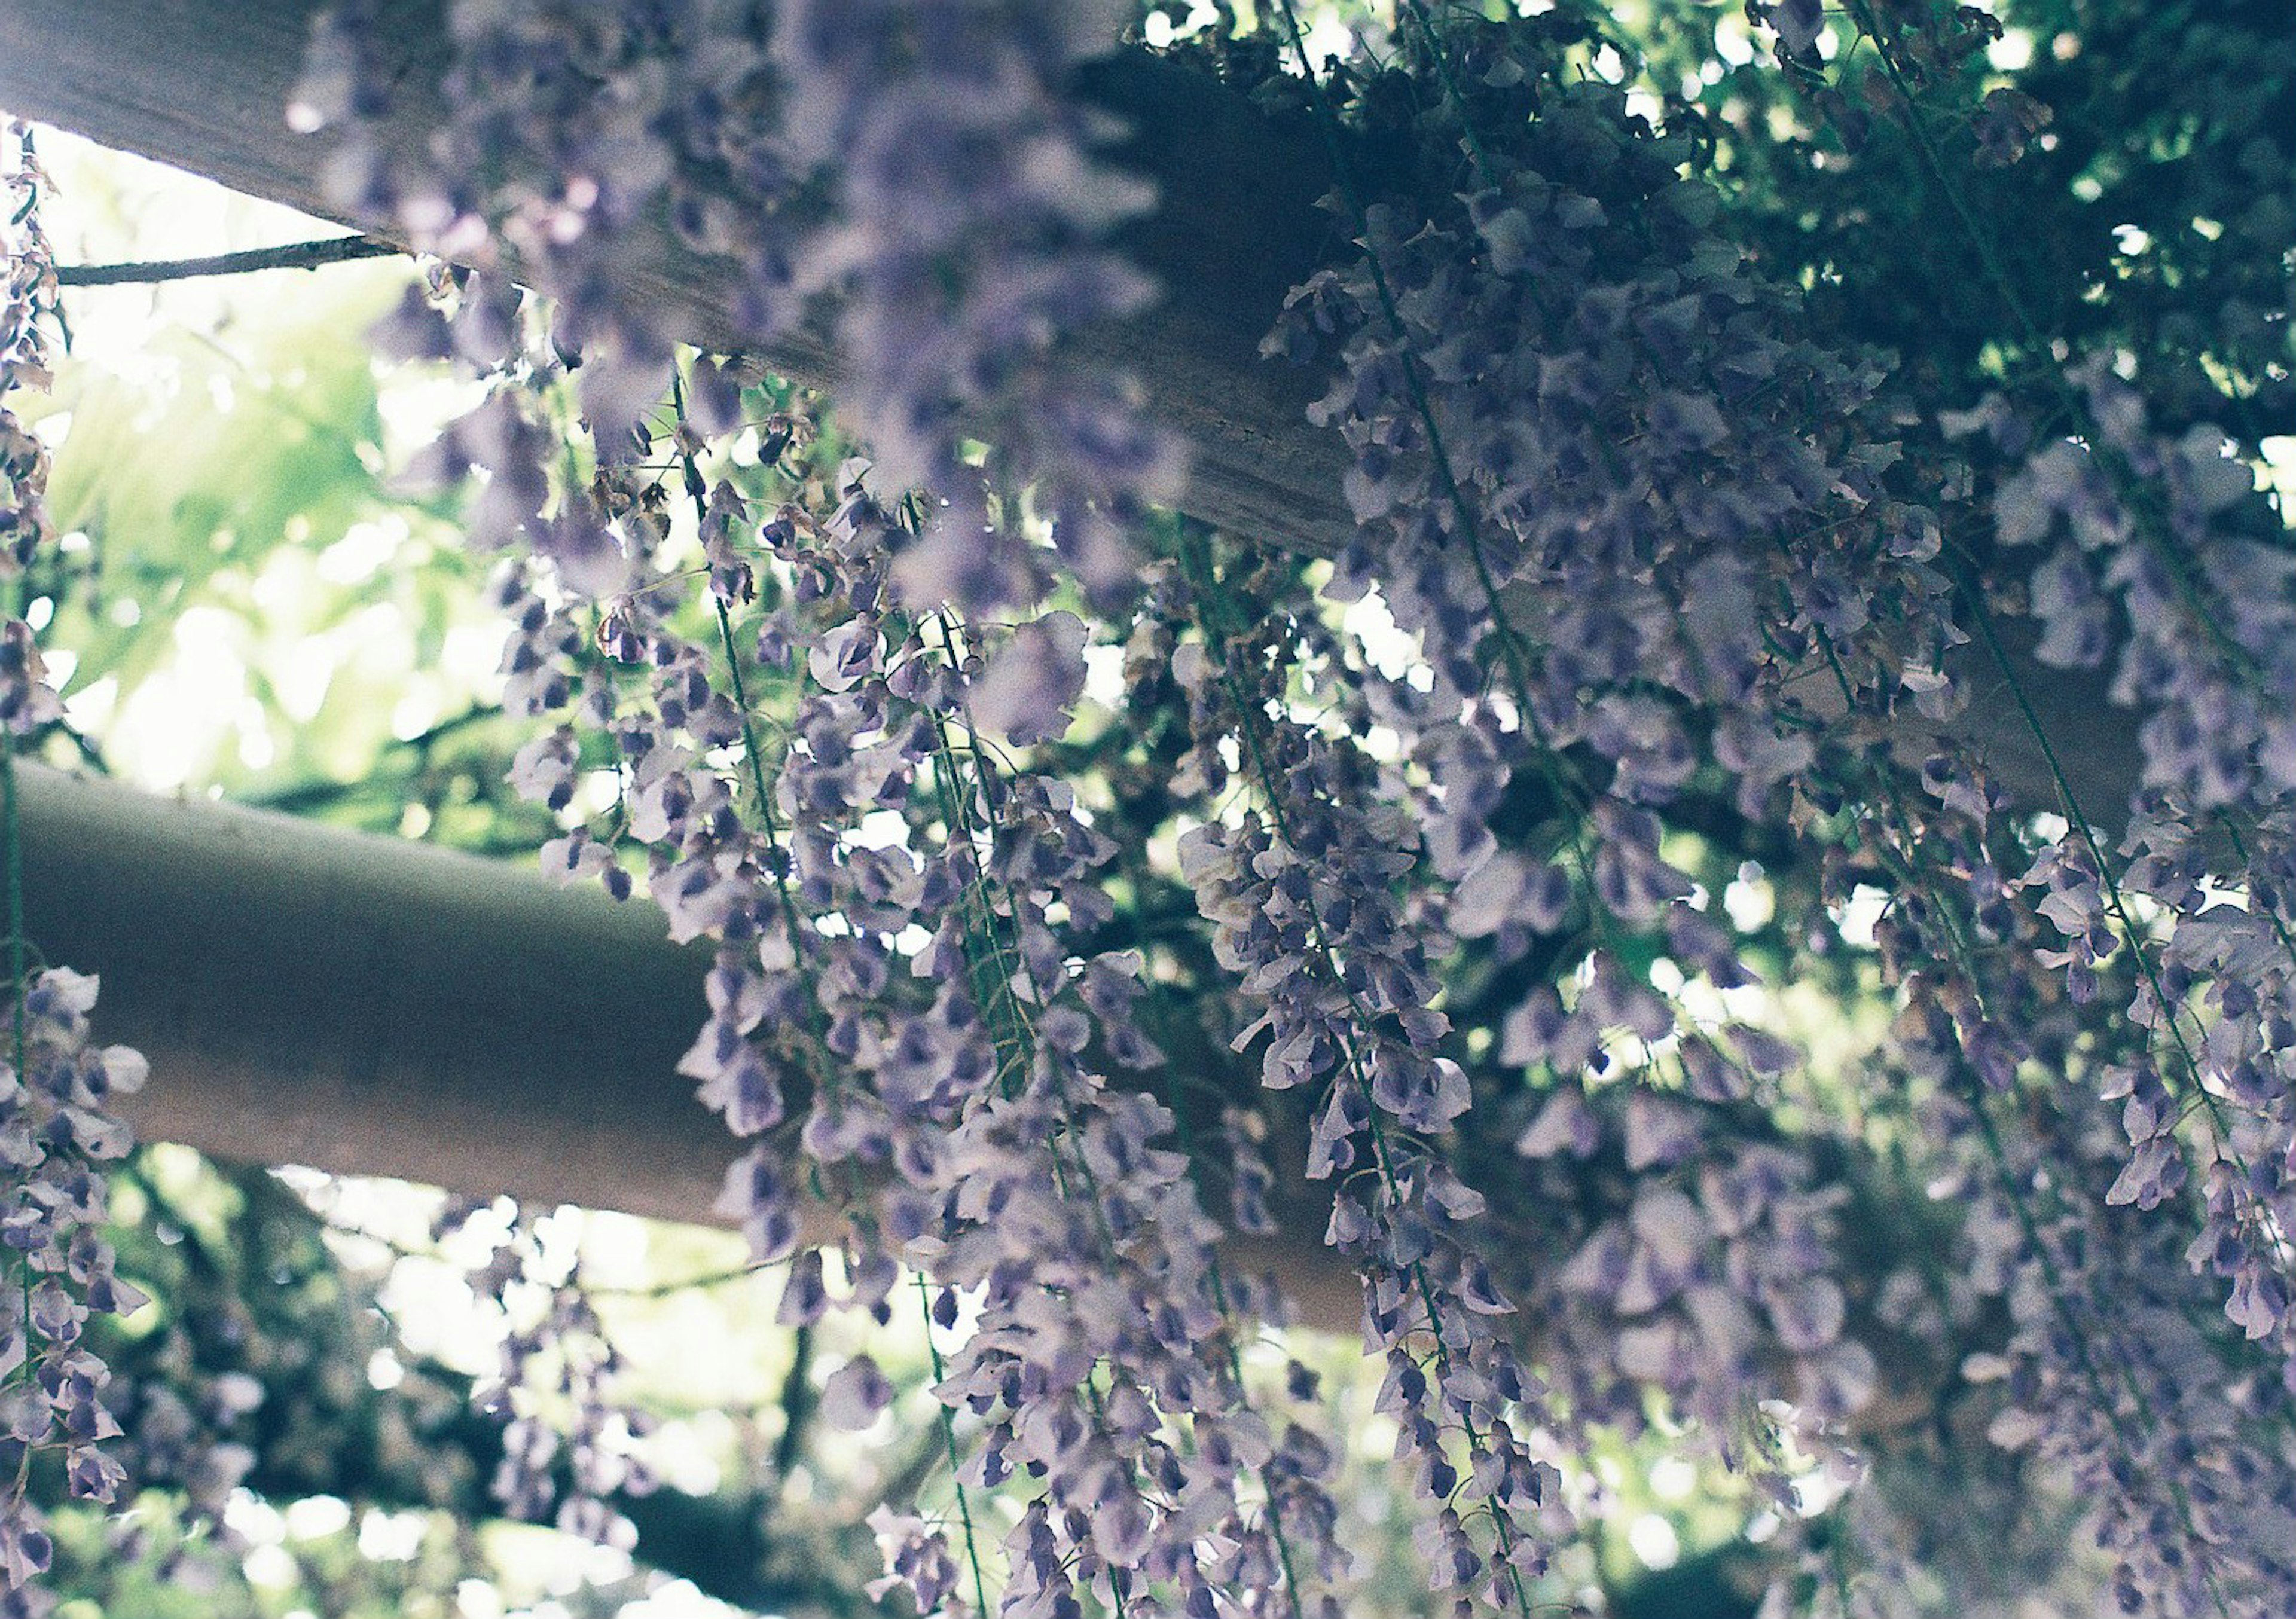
[(855, 1395), (1031, 681)]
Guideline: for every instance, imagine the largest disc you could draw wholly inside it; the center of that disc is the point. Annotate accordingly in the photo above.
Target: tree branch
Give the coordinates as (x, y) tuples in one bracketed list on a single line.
[(290, 256)]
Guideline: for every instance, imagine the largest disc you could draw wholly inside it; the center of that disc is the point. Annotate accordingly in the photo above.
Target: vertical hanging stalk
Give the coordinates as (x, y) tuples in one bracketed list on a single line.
[(1354, 1070), (57, 1131)]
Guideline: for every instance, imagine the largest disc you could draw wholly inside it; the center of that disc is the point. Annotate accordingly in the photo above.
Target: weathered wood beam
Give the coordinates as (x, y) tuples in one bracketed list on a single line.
[(369, 1006), (203, 85)]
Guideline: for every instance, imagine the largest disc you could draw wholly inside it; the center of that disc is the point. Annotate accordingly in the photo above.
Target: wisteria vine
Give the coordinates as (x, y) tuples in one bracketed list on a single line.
[(1100, 900)]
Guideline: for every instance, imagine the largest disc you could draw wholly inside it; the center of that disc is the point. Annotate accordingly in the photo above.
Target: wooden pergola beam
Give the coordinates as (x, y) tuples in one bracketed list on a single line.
[(367, 1005), (203, 85)]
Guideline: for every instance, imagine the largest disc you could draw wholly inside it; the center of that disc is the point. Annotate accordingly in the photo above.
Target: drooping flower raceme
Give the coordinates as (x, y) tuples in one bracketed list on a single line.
[(922, 165)]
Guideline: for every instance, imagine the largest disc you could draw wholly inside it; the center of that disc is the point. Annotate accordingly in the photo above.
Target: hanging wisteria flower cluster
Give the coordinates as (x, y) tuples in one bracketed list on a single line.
[(553, 1386), (918, 165), (1691, 587), (59, 1131)]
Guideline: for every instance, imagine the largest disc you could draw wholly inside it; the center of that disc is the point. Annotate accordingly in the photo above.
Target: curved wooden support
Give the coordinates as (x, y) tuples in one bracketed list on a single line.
[(204, 84)]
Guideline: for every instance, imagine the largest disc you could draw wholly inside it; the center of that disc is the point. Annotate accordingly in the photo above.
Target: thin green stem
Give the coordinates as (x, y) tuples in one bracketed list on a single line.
[(1983, 619), (955, 1462)]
